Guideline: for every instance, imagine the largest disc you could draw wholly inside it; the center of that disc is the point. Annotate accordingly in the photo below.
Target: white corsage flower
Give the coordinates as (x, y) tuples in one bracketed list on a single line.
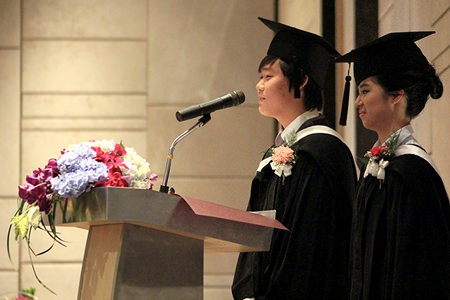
[(379, 157)]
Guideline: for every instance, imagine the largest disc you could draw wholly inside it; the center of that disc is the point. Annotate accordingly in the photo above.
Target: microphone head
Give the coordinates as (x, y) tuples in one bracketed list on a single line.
[(231, 99), (238, 97)]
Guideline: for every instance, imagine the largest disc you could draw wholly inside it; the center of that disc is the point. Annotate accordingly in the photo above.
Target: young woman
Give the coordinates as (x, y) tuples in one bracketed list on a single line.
[(307, 176), (401, 218)]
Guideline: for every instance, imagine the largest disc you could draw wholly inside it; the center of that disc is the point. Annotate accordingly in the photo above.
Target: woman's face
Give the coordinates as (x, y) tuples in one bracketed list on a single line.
[(375, 106), (274, 96)]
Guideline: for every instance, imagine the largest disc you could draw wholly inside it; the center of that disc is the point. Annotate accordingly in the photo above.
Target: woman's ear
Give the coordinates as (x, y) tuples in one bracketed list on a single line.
[(398, 96)]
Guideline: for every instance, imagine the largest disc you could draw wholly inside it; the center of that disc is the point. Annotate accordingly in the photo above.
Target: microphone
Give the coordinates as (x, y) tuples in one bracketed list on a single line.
[(231, 99)]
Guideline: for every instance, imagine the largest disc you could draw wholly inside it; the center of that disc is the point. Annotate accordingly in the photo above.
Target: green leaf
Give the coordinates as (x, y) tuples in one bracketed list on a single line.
[(21, 225)]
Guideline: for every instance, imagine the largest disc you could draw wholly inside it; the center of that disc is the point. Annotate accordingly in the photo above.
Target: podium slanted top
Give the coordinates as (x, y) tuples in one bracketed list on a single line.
[(223, 229)]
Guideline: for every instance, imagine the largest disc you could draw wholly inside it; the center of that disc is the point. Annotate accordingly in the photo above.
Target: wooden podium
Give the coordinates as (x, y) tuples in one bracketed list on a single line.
[(143, 244)]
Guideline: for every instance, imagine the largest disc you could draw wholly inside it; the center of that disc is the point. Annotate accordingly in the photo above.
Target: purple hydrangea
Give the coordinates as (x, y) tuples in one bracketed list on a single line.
[(79, 171)]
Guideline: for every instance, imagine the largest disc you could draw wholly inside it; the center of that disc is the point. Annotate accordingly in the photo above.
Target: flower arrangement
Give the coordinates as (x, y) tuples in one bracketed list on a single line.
[(379, 157), (283, 157), (24, 294), (27, 294), (80, 168)]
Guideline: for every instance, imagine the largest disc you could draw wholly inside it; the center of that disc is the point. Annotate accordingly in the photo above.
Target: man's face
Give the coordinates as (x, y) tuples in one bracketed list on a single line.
[(274, 96)]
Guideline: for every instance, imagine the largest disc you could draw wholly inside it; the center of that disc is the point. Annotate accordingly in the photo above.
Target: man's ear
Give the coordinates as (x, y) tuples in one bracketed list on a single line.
[(304, 81), (298, 94)]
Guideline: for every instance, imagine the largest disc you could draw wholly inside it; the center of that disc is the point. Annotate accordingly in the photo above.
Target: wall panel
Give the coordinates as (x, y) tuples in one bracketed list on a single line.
[(200, 50), (81, 19), (9, 23), (9, 119), (84, 66), (7, 207), (84, 106), (441, 120), (62, 278), (10, 137), (9, 284)]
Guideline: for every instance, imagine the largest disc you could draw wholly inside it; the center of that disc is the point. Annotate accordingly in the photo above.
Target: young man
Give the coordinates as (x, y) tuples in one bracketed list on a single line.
[(307, 176)]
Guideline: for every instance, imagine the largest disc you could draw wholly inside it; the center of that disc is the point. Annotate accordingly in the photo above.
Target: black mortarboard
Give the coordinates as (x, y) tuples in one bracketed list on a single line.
[(308, 50), (391, 54)]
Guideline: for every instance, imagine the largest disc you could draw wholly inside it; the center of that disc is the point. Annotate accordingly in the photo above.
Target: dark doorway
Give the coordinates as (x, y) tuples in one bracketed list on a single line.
[(329, 34), (366, 22)]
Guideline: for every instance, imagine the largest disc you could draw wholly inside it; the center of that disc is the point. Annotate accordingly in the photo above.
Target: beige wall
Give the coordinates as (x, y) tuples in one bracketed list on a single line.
[(10, 131), (76, 70), (302, 14)]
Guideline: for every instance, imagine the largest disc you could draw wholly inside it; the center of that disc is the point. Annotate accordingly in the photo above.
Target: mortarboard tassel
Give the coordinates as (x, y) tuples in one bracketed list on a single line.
[(344, 109)]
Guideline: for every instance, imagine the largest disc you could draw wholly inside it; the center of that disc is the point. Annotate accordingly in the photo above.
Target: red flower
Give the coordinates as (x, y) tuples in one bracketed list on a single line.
[(113, 160), (119, 150), (380, 151), (115, 178)]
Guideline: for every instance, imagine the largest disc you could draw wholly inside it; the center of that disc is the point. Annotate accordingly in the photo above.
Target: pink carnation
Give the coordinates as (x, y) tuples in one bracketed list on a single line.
[(282, 155)]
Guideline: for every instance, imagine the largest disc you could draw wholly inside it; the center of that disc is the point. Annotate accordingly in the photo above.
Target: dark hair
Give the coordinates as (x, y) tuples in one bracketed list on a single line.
[(418, 87), (296, 76)]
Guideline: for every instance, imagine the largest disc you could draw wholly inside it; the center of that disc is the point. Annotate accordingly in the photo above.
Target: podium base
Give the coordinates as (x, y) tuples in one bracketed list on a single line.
[(125, 261)]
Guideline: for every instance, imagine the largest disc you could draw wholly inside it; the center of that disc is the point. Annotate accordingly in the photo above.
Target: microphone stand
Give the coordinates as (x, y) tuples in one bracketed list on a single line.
[(200, 123)]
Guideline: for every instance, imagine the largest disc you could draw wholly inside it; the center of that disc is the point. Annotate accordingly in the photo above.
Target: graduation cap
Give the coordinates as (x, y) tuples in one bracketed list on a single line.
[(307, 50), (391, 54)]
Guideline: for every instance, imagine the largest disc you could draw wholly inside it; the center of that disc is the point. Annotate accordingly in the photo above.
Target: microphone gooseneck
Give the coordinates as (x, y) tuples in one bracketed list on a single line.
[(164, 188)]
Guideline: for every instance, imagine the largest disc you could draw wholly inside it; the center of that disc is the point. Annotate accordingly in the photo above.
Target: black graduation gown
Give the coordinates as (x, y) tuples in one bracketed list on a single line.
[(310, 261), (401, 234)]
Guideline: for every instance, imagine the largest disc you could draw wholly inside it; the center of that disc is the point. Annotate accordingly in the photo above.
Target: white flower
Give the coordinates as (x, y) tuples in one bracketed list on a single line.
[(34, 216), (281, 170), (138, 169), (376, 169), (382, 165)]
